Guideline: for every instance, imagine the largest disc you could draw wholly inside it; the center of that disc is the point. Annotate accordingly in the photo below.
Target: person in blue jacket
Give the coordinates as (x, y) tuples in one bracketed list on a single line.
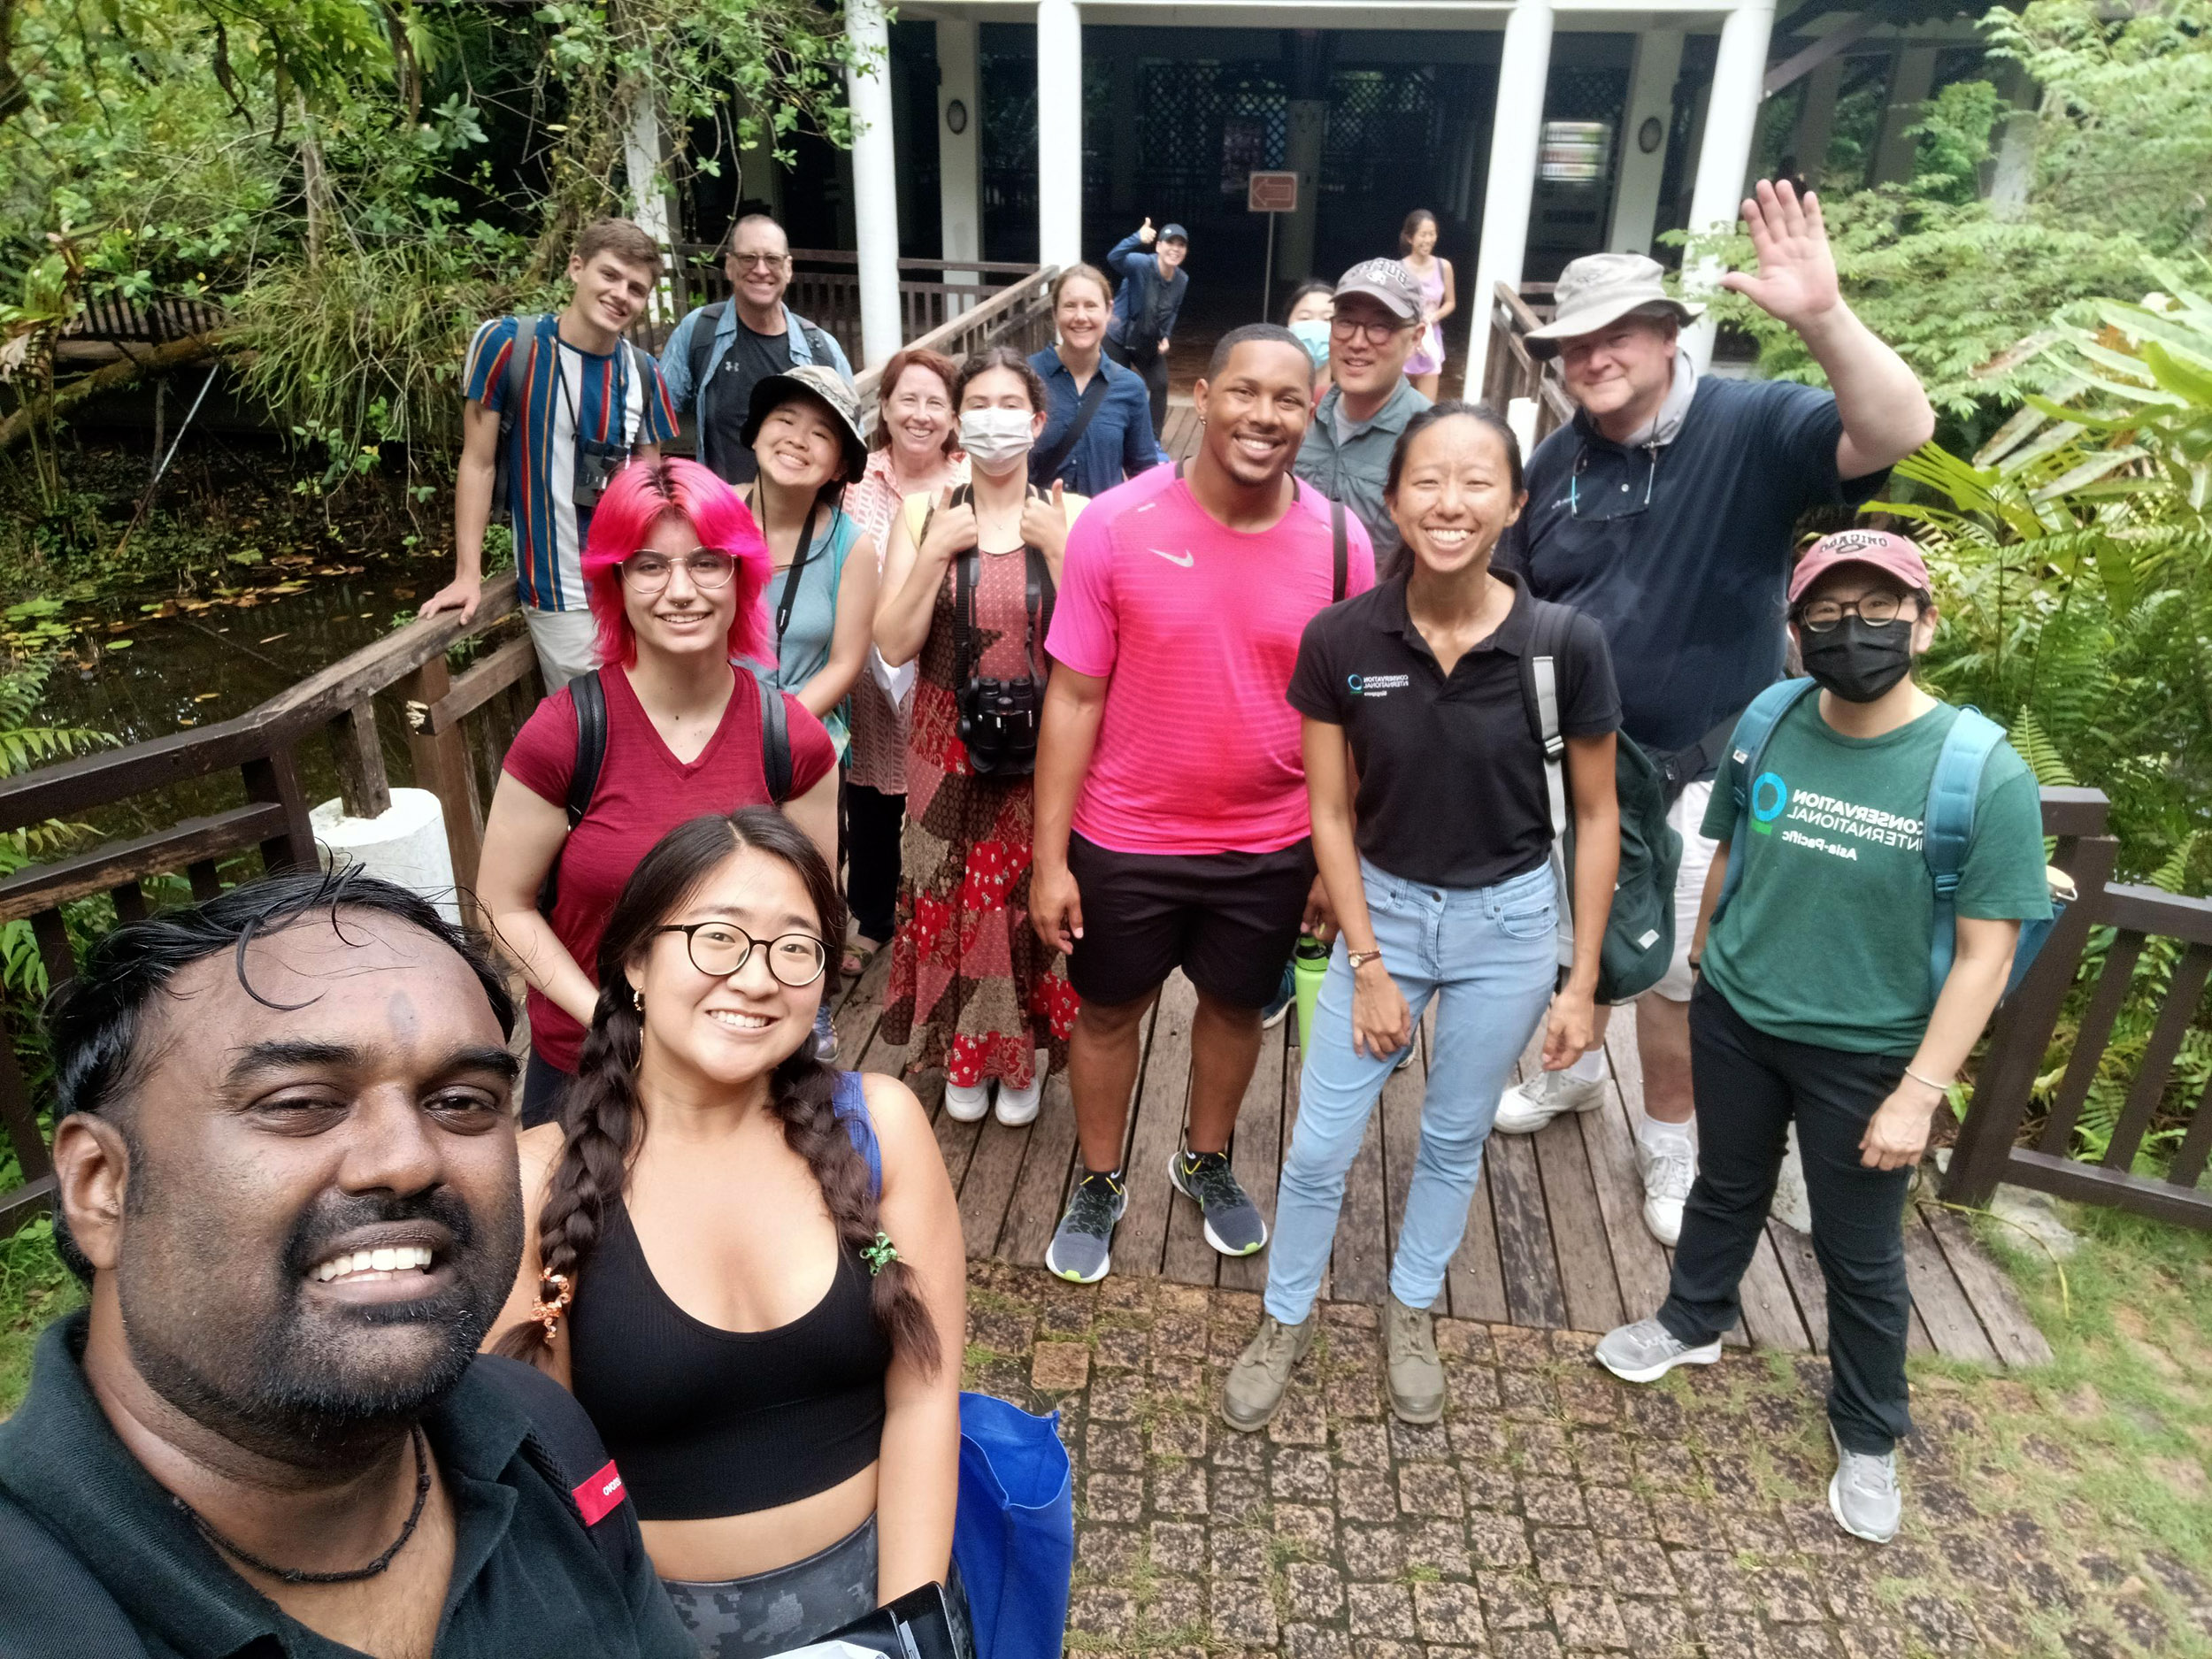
[(719, 352), (1153, 284)]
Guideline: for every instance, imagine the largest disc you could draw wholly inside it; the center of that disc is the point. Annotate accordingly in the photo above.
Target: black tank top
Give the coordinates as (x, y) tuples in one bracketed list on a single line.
[(705, 1422)]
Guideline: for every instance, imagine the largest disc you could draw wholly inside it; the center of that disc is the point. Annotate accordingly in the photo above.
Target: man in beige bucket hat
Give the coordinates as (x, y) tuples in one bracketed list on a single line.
[(1667, 509)]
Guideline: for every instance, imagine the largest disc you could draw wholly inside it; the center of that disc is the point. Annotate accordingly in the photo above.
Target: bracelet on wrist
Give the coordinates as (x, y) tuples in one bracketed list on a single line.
[(1928, 1082)]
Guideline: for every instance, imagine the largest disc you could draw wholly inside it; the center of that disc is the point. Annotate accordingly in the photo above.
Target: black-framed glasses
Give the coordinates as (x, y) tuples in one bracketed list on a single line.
[(708, 568), (1378, 333), (1606, 507), (719, 949), (1819, 616)]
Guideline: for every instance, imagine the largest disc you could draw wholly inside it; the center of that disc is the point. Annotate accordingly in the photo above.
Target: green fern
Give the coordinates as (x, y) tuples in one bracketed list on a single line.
[(2044, 760)]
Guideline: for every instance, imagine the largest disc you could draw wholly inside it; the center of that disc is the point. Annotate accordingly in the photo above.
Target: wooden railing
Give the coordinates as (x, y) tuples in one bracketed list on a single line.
[(1987, 1151), (1510, 371), (825, 288), (458, 726)]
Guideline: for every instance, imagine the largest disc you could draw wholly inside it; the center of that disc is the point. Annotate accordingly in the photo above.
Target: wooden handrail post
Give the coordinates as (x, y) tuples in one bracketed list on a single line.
[(443, 766), (364, 788)]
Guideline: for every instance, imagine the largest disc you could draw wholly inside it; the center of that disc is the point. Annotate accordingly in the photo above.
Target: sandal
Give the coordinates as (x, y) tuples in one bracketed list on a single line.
[(860, 950)]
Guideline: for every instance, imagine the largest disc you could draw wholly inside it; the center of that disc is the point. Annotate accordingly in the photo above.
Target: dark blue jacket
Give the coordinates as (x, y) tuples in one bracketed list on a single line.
[(1144, 295)]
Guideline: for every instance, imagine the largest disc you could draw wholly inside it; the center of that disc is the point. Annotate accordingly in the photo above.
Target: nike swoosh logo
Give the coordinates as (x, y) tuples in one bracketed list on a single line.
[(1184, 559)]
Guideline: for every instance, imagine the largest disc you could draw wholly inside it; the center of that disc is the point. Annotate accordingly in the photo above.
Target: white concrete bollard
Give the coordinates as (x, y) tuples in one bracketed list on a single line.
[(405, 845)]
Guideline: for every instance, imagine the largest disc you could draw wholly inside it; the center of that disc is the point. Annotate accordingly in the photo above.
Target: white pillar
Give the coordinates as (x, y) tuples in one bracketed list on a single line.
[(1515, 134), (649, 195), (875, 182), (1059, 132), (959, 155), (1732, 118), (1650, 98)]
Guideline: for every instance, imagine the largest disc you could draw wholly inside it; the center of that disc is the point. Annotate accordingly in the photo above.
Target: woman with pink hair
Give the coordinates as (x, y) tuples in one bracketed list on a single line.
[(674, 568)]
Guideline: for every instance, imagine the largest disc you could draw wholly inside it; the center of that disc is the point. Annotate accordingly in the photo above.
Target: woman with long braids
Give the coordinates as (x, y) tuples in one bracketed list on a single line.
[(765, 1330), (674, 572)]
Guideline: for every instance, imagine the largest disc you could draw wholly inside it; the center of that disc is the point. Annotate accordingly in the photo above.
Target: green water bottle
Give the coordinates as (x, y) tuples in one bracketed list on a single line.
[(1309, 966)]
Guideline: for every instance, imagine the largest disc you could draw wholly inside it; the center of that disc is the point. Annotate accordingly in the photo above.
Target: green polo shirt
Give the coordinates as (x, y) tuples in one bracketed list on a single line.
[(1349, 461), (96, 1559)]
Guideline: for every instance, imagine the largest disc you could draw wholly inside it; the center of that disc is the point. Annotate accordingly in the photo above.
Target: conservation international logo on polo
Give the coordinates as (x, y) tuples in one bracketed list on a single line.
[(1377, 685), (1772, 801)]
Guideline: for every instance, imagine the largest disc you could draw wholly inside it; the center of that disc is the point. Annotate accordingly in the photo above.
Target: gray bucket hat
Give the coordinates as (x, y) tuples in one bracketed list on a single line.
[(1602, 288), (820, 384)]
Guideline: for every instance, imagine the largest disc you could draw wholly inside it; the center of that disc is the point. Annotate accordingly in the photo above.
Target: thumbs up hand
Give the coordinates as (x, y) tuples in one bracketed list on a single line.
[(1145, 232), (1045, 525)]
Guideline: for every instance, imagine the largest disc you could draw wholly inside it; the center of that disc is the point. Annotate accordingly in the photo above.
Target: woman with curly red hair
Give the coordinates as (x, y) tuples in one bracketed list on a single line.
[(675, 569)]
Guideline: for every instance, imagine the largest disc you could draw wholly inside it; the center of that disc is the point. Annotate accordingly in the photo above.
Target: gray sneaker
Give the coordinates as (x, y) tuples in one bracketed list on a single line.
[(1527, 1107), (1863, 1494), (1082, 1245), (1416, 1375), (1647, 1351), (1262, 1372), (1232, 1220)]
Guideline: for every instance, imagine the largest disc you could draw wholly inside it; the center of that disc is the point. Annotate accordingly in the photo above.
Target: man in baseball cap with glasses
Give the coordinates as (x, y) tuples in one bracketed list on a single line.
[(1666, 510), (1346, 454)]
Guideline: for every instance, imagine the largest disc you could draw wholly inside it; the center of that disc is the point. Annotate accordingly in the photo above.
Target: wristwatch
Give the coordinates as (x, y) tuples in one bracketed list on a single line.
[(1361, 958)]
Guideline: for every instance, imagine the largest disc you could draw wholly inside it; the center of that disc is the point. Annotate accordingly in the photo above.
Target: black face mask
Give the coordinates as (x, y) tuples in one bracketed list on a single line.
[(1856, 659)]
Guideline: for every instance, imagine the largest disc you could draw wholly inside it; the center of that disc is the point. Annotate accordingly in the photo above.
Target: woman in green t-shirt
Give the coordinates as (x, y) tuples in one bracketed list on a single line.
[(1818, 1003)]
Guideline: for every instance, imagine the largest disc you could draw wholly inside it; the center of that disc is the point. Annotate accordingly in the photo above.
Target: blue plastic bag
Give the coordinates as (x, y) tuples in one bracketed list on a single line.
[(1013, 1531)]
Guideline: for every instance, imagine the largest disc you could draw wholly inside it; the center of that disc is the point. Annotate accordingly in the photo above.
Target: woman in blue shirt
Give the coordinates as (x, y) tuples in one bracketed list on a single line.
[(1116, 442)]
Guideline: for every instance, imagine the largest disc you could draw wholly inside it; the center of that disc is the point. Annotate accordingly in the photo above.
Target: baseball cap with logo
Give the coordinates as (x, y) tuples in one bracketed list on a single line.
[(1601, 289), (1173, 232), (1892, 555), (1384, 280)]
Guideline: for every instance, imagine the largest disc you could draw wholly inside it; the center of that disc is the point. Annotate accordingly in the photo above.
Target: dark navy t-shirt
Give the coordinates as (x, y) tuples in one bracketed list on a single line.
[(1689, 589)]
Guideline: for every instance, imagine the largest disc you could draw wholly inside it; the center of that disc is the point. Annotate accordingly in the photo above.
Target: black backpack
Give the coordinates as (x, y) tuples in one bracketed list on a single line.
[(590, 698), (1640, 931)]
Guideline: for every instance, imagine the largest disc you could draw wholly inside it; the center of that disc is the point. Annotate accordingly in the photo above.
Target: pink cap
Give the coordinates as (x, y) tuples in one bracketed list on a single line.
[(1878, 547)]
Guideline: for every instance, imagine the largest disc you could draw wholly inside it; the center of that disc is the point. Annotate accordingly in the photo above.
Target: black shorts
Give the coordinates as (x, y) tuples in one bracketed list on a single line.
[(1227, 919)]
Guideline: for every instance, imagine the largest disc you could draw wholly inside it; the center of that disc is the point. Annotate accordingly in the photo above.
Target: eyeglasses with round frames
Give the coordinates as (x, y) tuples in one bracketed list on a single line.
[(719, 949), (1378, 333), (709, 568), (1821, 615)]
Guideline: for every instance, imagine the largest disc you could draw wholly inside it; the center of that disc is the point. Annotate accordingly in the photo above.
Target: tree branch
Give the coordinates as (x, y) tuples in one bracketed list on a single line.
[(173, 355)]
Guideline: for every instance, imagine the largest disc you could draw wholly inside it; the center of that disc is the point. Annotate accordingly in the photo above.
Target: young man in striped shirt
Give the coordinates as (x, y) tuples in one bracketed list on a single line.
[(558, 403)]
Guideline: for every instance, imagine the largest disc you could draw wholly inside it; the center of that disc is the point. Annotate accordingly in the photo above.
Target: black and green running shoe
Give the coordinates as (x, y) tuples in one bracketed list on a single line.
[(1232, 1220)]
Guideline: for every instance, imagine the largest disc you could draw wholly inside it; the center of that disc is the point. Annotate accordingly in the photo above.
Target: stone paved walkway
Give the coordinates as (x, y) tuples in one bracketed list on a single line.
[(1554, 1511)]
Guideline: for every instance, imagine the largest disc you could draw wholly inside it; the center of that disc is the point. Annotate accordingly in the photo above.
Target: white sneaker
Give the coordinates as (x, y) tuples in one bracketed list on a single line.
[(1667, 1179), (1527, 1107), (1018, 1106), (967, 1103)]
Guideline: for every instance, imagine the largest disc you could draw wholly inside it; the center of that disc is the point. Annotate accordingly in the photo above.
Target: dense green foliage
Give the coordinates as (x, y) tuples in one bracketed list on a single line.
[(372, 176), (2121, 146)]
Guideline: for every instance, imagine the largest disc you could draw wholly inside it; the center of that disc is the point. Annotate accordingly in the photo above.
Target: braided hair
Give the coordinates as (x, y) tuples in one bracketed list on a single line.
[(605, 1116)]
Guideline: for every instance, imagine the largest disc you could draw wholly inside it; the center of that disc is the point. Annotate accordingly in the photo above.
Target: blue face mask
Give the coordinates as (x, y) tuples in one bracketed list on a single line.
[(1313, 333)]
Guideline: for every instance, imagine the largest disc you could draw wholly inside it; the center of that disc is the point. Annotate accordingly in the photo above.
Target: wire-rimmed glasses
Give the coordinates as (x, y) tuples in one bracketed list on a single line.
[(709, 568)]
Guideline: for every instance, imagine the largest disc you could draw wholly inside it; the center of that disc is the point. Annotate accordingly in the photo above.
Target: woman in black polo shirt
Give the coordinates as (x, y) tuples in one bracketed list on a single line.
[(1444, 890)]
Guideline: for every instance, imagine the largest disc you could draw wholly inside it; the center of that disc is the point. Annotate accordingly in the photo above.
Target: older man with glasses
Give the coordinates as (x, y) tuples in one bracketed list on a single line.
[(1666, 510), (1346, 454), (718, 353)]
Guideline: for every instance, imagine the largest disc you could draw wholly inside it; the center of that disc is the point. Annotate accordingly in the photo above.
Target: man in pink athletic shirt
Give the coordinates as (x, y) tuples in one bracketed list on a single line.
[(1171, 827)]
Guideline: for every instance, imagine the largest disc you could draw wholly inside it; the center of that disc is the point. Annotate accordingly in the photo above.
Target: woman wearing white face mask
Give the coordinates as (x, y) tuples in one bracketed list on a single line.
[(968, 587)]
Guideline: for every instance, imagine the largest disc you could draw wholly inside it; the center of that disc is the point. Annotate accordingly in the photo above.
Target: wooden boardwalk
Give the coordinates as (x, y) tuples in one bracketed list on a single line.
[(1555, 1239)]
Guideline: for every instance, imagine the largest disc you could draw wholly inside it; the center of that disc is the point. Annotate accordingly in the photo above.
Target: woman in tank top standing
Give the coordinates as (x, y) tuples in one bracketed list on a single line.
[(766, 1335), (1440, 298), (804, 431), (972, 989)]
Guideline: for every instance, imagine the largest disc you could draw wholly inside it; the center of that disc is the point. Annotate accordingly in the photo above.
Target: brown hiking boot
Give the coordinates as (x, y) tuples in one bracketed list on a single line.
[(1262, 1372), (1416, 1375)]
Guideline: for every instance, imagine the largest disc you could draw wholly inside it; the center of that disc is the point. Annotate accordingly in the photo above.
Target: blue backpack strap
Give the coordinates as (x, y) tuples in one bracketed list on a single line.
[(850, 1102), (1948, 825), (1747, 748)]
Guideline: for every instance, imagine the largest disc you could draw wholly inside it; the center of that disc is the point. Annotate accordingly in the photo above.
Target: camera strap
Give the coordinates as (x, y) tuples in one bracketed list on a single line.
[(967, 571), (799, 556)]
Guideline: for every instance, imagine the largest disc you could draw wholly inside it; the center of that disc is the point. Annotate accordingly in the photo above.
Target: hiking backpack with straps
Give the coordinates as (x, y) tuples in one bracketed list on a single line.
[(701, 352), (1640, 928), (514, 391), (1946, 828), (589, 696)]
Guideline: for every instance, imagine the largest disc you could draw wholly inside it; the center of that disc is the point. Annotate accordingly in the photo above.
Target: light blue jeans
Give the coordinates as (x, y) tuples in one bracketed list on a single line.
[(1487, 956)]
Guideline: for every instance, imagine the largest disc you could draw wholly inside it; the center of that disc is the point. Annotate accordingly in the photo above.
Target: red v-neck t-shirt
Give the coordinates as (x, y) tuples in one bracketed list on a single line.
[(644, 792)]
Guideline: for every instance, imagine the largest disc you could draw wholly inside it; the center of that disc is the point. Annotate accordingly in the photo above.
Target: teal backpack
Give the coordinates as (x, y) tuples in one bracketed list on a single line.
[(1947, 822)]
